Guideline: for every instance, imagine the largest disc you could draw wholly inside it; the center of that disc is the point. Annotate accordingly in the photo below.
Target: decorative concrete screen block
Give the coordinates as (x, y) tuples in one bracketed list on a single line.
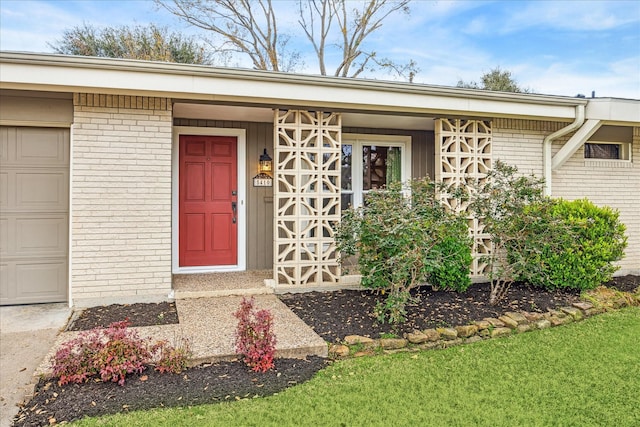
[(463, 154), (307, 197)]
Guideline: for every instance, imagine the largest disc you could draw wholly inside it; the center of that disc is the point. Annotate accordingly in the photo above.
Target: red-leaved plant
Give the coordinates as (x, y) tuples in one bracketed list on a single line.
[(168, 358), (113, 353), (74, 361), (123, 353), (255, 339)]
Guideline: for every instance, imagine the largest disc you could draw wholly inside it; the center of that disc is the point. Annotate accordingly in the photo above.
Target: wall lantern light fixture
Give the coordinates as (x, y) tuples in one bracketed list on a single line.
[(265, 163), (264, 179)]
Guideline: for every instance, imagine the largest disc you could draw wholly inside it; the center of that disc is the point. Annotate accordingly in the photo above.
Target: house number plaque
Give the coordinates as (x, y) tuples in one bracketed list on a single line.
[(262, 180)]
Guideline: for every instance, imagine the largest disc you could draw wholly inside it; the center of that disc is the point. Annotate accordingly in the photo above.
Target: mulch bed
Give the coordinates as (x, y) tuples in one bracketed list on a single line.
[(625, 283), (163, 313), (333, 315), (209, 383)]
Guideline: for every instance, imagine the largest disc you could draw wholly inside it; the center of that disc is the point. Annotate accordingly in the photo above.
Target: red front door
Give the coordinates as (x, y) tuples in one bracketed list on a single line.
[(208, 201)]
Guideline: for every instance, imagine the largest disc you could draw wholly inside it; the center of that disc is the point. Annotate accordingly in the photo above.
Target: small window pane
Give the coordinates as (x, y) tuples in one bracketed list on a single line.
[(346, 163), (346, 201), (380, 166), (602, 151), (394, 165)]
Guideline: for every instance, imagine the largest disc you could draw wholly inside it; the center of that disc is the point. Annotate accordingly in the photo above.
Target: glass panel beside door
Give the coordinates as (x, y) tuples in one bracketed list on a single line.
[(368, 167)]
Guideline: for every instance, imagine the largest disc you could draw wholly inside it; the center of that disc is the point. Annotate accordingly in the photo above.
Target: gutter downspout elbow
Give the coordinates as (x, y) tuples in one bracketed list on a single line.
[(548, 140)]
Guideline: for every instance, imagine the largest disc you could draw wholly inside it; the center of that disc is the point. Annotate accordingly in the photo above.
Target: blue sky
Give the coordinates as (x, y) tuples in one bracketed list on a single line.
[(551, 47)]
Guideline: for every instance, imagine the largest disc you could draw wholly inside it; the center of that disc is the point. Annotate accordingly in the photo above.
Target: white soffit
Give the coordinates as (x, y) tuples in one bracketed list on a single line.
[(381, 121), (265, 115), (222, 112)]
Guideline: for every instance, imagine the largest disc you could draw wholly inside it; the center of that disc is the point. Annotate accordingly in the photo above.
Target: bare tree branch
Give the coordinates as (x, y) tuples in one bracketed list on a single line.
[(250, 27), (356, 24), (325, 13), (246, 26)]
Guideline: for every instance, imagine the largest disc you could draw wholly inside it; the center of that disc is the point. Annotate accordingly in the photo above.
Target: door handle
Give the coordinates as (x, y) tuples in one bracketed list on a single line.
[(234, 207)]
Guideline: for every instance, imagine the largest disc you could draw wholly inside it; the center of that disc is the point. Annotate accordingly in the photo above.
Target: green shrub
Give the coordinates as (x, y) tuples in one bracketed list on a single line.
[(500, 203), (403, 242), (585, 241), (551, 243)]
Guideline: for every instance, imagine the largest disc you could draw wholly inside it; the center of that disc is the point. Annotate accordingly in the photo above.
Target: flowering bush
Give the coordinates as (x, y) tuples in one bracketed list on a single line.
[(113, 353), (255, 339), (500, 203)]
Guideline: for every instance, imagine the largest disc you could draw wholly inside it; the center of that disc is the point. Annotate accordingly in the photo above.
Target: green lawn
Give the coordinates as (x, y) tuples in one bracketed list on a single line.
[(584, 374)]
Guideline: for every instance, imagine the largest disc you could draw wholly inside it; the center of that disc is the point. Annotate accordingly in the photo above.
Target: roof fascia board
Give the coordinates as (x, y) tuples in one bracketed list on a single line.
[(266, 76), (56, 72), (433, 106), (614, 110)]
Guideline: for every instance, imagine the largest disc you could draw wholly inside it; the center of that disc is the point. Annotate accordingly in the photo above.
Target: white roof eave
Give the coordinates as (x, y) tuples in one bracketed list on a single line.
[(203, 83), (614, 111)]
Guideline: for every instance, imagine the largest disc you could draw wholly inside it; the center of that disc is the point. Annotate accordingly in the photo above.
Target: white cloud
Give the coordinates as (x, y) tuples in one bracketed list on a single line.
[(29, 25), (11, 14), (572, 15), (449, 50), (620, 81), (478, 25)]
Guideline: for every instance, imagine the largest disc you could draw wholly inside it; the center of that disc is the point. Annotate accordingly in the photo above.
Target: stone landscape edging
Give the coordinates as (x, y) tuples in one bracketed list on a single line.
[(511, 322)]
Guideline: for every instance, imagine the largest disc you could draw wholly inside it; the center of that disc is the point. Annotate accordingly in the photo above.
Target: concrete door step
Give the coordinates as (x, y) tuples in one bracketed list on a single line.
[(187, 294)]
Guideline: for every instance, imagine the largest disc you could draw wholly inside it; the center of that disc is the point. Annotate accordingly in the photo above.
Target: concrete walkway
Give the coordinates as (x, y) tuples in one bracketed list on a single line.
[(26, 335), (209, 325), (32, 334)]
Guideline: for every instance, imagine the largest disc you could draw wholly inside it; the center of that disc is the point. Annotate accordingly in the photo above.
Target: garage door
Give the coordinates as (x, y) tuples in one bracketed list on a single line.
[(34, 215)]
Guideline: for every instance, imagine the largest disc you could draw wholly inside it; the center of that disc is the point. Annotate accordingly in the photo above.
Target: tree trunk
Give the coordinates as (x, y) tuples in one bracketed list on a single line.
[(499, 288)]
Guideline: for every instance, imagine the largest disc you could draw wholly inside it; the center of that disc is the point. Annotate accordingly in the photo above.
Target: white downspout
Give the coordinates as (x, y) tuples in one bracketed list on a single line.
[(548, 140)]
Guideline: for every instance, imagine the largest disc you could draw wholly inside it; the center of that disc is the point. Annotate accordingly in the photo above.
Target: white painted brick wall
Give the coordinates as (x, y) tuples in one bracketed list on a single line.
[(615, 184), (121, 198)]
